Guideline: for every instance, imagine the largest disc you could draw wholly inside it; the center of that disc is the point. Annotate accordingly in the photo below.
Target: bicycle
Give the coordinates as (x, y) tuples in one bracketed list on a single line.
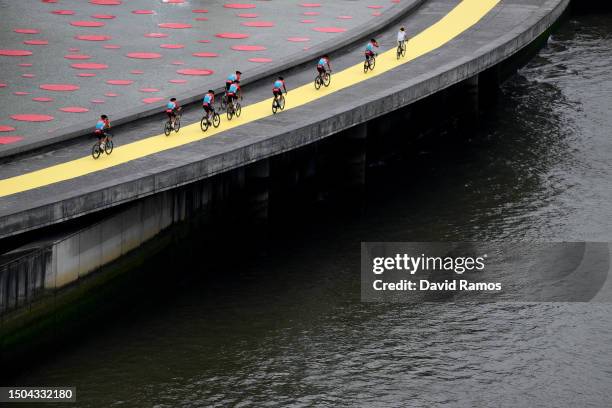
[(322, 79), (168, 128), (369, 63), (401, 49), (206, 122), (233, 108), (224, 101), (278, 103), (97, 148)]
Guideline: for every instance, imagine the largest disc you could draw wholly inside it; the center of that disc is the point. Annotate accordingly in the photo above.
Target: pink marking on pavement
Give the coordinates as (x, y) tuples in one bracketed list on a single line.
[(93, 37), (36, 42), (120, 82), (205, 54), (74, 109), (239, 6), (143, 12), (106, 2), (200, 11), (112, 46), (156, 35), (77, 57), (329, 29), (172, 46), (248, 47), (26, 31), (42, 99), (89, 65), (149, 90), (15, 53), (233, 36), (10, 139), (307, 21), (86, 74), (86, 23), (103, 16), (63, 12), (258, 24), (195, 71), (248, 15), (174, 25), (31, 117), (144, 55), (260, 59), (152, 100), (4, 128), (298, 39), (59, 87), (178, 81)]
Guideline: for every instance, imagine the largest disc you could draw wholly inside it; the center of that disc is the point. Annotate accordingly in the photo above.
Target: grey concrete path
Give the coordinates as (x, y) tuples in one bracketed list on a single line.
[(125, 58), (510, 26)]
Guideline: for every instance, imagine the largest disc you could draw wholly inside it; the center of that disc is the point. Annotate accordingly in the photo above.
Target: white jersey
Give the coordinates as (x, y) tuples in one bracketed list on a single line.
[(401, 36)]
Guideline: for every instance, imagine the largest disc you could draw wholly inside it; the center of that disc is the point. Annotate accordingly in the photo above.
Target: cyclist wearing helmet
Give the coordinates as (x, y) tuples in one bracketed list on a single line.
[(172, 108), (231, 79), (369, 51), (102, 126), (279, 86), (323, 61), (401, 37), (207, 103), (233, 92)]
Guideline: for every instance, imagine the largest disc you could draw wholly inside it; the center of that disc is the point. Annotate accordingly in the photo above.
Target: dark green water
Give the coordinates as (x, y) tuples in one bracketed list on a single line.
[(284, 325)]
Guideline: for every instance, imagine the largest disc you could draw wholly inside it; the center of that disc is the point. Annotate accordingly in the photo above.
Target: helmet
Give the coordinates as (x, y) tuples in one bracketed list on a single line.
[(211, 91), (104, 117), (172, 99), (281, 78), (238, 73), (402, 29)]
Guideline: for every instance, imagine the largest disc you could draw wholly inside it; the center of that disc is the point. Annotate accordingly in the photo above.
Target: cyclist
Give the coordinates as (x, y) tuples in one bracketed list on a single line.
[(231, 79), (323, 61), (102, 126), (369, 51), (172, 109), (279, 86), (233, 92), (401, 37), (207, 104)]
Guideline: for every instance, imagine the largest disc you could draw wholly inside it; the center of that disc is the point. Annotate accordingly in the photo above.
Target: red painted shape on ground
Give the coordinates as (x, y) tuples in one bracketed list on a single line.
[(26, 31), (201, 19), (4, 128), (103, 16), (112, 46), (200, 11), (156, 35), (73, 50), (86, 23), (111, 94), (178, 81), (172, 46), (376, 13), (177, 63), (86, 74), (248, 47), (195, 71), (42, 99), (311, 13), (233, 36), (149, 90), (63, 12), (20, 93), (298, 39), (106, 2), (144, 55), (77, 56), (248, 15), (97, 101), (205, 54), (173, 1), (36, 42), (152, 100), (143, 12), (375, 7), (28, 75), (136, 72), (59, 87), (344, 17), (329, 29), (3, 85), (204, 41), (239, 6), (310, 5), (258, 24), (93, 37), (23, 64), (15, 53), (307, 21), (174, 25), (260, 59), (10, 139), (120, 82), (74, 109), (89, 65), (32, 117)]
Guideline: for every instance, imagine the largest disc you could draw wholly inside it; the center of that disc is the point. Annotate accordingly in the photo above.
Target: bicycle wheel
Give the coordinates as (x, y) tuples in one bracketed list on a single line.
[(204, 124), (274, 106), (366, 66), (108, 147), (238, 109), (224, 102), (372, 63), (177, 124), (281, 102), (403, 50), (399, 51), (327, 79), (230, 113), (216, 120), (167, 128), (95, 151), (318, 82)]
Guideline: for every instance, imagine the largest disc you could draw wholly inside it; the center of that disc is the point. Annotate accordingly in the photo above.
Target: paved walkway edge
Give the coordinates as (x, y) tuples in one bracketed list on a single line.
[(129, 115)]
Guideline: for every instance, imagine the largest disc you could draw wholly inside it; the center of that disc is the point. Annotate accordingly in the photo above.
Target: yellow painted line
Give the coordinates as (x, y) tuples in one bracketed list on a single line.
[(462, 17)]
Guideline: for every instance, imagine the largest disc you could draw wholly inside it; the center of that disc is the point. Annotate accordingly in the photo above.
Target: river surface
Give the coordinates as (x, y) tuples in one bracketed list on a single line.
[(285, 326)]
